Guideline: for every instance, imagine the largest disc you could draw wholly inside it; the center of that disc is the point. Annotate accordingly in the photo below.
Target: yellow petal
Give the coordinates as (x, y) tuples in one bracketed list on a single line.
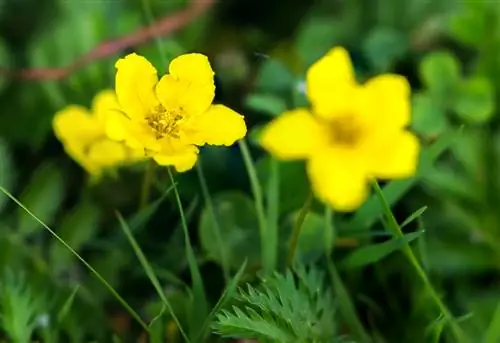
[(395, 156), (386, 100), (107, 153), (293, 135), (189, 97), (104, 103), (331, 82), (74, 123), (135, 83), (220, 125), (192, 68), (338, 178), (182, 161)]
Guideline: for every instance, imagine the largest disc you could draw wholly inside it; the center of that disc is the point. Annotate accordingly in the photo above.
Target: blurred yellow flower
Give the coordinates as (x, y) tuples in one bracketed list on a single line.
[(353, 132), (170, 117), (83, 134)]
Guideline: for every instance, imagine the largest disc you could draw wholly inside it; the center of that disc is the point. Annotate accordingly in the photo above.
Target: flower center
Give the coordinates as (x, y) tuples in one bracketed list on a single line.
[(164, 122), (345, 130)]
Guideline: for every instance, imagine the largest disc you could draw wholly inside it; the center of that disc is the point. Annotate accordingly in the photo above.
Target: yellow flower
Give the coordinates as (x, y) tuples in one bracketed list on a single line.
[(170, 117), (83, 134), (353, 132)]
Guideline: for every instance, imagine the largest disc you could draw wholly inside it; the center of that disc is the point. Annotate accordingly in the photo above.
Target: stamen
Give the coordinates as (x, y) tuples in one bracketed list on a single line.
[(345, 130), (164, 122)]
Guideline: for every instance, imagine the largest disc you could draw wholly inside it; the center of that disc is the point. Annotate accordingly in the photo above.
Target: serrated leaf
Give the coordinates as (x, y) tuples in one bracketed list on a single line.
[(266, 104), (76, 229), (475, 100), (42, 196), (375, 252), (237, 219), (384, 46), (440, 72), (428, 118)]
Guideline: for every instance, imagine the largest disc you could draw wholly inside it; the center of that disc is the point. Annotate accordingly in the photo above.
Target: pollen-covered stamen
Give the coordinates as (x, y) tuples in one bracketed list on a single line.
[(164, 122), (345, 130)]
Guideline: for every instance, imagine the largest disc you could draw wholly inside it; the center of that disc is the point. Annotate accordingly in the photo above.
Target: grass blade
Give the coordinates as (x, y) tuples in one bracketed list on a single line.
[(149, 272), (85, 263), (67, 305), (259, 206), (198, 314)]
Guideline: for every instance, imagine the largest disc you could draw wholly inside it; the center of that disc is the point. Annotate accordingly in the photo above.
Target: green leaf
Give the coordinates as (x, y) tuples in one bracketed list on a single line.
[(76, 229), (316, 37), (237, 218), (311, 245), (274, 76), (468, 25), (43, 197), (492, 334), (440, 72), (384, 46), (266, 103), (429, 118), (475, 100), (4, 61), (294, 183), (375, 252), (6, 172)]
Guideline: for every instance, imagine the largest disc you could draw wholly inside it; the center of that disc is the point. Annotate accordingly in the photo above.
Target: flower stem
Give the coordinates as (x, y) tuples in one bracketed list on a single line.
[(146, 184), (297, 229), (396, 230)]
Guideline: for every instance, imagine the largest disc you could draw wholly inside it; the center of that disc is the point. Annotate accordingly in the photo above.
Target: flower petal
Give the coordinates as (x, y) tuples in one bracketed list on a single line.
[(182, 161), (107, 153), (189, 97), (338, 178), (75, 124), (331, 82), (136, 79), (386, 100), (103, 103), (220, 125), (293, 135), (192, 68), (395, 156)]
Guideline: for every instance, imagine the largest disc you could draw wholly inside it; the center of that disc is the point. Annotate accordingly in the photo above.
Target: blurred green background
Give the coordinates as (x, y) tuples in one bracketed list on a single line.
[(260, 50)]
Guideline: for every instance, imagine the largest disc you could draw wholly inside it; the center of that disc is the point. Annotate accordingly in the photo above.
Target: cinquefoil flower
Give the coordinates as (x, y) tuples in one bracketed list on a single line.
[(353, 132), (170, 117), (83, 135)]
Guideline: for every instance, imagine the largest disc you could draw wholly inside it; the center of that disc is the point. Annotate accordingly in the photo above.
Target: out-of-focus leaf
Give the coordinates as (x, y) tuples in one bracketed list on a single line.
[(317, 36), (4, 61), (475, 100), (42, 197), (274, 76), (266, 103), (376, 252), (383, 46), (440, 72), (294, 183), (492, 334), (76, 229), (311, 244), (6, 172), (428, 118), (237, 219), (468, 25)]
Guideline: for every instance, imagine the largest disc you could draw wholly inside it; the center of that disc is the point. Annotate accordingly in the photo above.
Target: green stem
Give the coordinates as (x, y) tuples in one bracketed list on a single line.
[(147, 182), (396, 230), (297, 229), (259, 206)]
